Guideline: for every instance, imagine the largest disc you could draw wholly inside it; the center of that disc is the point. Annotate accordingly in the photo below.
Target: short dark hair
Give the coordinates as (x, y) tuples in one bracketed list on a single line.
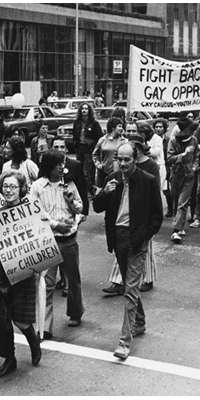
[(112, 123), (18, 147), (49, 161), (58, 138), (21, 179), (162, 121)]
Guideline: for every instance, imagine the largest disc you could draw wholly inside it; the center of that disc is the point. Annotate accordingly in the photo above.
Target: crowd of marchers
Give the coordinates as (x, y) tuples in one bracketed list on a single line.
[(122, 174)]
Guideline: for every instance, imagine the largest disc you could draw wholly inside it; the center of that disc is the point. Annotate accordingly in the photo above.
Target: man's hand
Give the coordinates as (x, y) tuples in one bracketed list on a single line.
[(110, 186), (63, 227)]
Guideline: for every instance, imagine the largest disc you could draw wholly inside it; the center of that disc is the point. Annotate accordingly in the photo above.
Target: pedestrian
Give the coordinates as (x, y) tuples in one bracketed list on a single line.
[(119, 112), (133, 214), (155, 151), (18, 159), (147, 164), (160, 126), (131, 129), (40, 144), (195, 195), (182, 157), (61, 203), (72, 171), (17, 302), (105, 151), (86, 133), (150, 270)]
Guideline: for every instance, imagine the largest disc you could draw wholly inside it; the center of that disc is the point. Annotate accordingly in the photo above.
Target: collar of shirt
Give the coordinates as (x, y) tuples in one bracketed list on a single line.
[(48, 182)]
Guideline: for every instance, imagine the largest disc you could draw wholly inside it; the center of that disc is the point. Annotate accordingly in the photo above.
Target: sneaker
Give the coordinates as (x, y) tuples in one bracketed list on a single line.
[(122, 351), (195, 224), (114, 290), (176, 238)]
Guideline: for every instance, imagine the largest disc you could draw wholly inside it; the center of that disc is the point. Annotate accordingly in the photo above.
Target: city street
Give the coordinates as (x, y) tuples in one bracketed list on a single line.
[(79, 361)]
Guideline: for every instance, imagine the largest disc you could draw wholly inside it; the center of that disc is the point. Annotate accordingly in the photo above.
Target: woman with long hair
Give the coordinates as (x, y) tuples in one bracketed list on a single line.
[(86, 133)]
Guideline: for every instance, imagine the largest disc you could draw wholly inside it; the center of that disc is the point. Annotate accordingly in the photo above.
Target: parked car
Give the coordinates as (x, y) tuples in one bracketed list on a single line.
[(30, 118), (69, 105)]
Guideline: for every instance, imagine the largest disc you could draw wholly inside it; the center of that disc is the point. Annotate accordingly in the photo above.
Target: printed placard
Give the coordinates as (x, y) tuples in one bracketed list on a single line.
[(157, 84), (27, 243)]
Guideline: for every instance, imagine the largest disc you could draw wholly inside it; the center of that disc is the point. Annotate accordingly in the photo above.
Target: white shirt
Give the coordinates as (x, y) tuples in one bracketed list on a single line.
[(123, 212), (56, 208)]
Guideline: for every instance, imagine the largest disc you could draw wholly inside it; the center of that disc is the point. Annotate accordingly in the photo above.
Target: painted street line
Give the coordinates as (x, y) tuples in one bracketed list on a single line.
[(81, 351)]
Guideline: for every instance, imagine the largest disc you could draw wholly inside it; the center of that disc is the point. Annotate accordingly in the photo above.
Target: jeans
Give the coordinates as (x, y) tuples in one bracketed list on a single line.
[(70, 267), (132, 267), (183, 200), (88, 167)]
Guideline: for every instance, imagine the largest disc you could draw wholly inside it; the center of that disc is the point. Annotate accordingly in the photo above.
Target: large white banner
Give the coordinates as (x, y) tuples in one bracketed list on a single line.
[(157, 84), (27, 243)]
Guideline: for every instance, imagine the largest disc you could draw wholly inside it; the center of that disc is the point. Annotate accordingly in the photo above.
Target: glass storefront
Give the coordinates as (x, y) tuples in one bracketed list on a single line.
[(45, 53)]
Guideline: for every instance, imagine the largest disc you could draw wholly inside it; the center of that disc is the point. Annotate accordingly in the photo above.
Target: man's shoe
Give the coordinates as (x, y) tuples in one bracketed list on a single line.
[(60, 284), (138, 330), (195, 224), (122, 351), (9, 365), (64, 292), (176, 238), (182, 233), (47, 335), (169, 214), (145, 287), (114, 289), (73, 323)]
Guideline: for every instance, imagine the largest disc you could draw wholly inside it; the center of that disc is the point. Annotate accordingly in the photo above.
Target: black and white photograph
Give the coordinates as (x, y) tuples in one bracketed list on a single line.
[(99, 199)]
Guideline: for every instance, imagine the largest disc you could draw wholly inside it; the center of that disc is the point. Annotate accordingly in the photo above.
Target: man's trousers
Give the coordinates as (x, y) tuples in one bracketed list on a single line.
[(132, 267), (70, 266)]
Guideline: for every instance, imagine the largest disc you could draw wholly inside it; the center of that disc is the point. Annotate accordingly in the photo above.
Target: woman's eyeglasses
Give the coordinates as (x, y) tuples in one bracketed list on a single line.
[(10, 187)]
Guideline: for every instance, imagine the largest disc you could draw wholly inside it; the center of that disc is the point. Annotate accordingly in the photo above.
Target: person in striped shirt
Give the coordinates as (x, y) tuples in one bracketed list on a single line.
[(61, 206)]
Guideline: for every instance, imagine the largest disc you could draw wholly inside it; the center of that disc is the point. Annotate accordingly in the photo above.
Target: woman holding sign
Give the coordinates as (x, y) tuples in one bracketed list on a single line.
[(17, 302)]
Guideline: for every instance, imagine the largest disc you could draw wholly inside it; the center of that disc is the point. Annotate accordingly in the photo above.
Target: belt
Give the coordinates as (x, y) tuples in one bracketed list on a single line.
[(62, 239)]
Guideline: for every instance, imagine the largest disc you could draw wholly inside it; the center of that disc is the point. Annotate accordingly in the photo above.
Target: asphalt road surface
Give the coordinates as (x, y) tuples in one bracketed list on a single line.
[(79, 361)]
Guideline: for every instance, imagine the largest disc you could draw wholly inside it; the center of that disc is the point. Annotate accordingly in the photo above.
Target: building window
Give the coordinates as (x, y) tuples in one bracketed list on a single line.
[(194, 39), (185, 38), (185, 11), (176, 39)]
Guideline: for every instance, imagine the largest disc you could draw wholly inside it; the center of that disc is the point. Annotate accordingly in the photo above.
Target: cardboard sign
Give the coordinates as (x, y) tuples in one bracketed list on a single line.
[(157, 84), (27, 243)]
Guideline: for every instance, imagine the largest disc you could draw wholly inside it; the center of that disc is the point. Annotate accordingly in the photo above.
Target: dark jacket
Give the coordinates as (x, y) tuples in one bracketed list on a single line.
[(145, 208), (75, 173), (93, 132)]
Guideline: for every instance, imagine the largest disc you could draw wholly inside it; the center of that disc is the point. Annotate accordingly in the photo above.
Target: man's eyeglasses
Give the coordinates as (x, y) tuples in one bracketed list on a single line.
[(126, 159), (10, 187), (131, 130)]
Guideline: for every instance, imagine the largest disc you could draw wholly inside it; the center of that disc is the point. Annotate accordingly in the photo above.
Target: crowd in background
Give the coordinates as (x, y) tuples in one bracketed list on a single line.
[(66, 187)]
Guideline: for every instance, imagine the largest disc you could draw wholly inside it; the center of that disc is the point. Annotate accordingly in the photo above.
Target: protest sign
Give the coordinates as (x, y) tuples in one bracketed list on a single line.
[(157, 84), (27, 243)]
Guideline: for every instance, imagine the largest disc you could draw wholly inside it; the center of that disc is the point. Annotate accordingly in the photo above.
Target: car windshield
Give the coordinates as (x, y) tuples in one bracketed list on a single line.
[(76, 104), (6, 114), (103, 114), (58, 105), (20, 113)]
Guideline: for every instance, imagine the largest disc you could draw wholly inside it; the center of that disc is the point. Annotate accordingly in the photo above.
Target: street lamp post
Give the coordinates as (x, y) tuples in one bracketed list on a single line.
[(76, 53)]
